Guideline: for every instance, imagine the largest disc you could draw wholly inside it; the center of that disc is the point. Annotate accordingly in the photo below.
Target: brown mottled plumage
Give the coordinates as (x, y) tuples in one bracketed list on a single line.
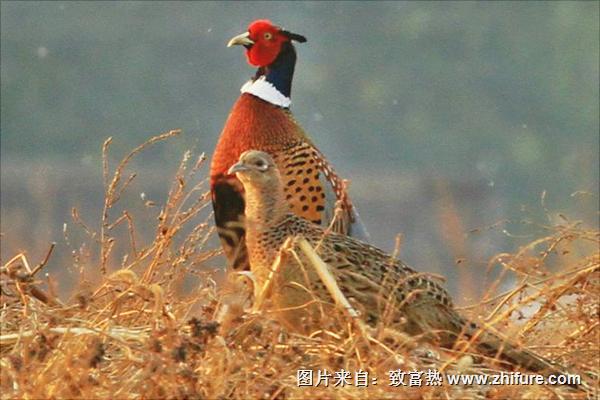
[(375, 281)]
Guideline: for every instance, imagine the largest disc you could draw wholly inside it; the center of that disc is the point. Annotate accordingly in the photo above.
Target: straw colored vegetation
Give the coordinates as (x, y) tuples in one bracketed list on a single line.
[(137, 334)]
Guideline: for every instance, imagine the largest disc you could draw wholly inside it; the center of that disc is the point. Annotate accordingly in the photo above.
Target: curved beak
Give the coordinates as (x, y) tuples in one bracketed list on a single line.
[(243, 39), (237, 167)]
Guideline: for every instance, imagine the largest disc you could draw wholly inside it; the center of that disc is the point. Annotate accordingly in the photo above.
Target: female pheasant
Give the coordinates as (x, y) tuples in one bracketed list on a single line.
[(261, 119), (380, 283)]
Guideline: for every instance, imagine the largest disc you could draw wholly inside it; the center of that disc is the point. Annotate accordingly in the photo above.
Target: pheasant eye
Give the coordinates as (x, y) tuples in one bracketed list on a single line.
[(261, 164), (268, 35)]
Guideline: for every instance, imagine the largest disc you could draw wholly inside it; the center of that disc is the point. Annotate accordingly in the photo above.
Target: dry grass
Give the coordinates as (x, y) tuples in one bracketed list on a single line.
[(136, 335)]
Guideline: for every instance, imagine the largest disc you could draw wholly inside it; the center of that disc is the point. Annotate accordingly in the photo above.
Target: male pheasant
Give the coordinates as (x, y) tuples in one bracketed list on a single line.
[(365, 274), (261, 119)]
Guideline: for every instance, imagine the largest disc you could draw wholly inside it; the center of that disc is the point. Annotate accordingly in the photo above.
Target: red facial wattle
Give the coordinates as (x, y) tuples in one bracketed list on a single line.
[(267, 40)]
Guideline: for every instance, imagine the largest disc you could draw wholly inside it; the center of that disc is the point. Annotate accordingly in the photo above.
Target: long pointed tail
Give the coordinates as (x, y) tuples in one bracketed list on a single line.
[(494, 346), (450, 325)]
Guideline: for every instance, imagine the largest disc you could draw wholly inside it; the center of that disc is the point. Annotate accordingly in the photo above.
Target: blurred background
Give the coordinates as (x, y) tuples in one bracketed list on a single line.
[(447, 117)]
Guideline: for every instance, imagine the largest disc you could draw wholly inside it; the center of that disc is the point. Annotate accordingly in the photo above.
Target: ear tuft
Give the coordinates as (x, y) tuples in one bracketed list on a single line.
[(294, 36)]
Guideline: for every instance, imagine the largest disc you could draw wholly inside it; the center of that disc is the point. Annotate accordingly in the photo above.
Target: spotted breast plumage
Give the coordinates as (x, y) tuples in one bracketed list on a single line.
[(261, 119), (383, 287)]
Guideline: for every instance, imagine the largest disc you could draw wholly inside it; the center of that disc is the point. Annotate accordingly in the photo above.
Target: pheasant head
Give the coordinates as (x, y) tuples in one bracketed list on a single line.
[(269, 48), (256, 168), (264, 41), (265, 201)]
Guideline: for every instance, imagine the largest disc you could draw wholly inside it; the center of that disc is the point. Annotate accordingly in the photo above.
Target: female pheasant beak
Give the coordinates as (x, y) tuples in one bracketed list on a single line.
[(242, 39), (237, 167)]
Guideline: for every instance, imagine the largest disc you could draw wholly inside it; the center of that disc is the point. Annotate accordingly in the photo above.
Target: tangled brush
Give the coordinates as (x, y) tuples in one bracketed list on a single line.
[(135, 333)]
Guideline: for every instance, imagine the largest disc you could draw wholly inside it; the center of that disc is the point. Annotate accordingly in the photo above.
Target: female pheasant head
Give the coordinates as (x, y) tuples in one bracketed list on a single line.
[(265, 202), (256, 168), (269, 48)]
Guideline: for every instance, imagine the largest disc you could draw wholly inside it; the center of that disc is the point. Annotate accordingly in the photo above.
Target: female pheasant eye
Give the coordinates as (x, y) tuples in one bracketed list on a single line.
[(268, 35), (261, 164)]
